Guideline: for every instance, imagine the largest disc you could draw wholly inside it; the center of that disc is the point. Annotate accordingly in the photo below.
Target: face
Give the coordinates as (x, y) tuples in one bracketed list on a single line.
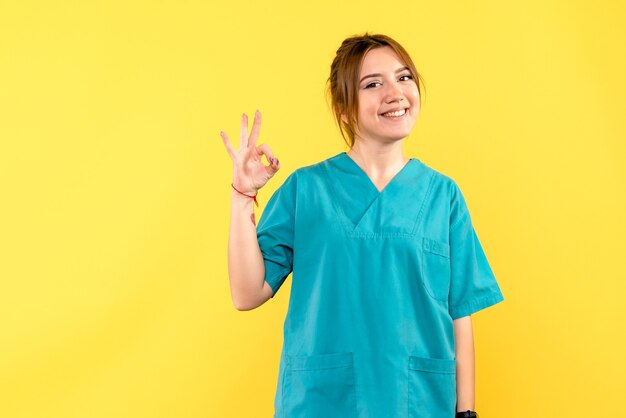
[(386, 85)]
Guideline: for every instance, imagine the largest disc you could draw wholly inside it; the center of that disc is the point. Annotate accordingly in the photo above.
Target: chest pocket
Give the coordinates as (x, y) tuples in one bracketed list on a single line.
[(436, 269), (320, 386)]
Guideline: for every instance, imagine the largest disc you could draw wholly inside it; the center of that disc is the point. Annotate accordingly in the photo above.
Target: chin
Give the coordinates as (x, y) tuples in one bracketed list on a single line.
[(399, 134), (398, 137)]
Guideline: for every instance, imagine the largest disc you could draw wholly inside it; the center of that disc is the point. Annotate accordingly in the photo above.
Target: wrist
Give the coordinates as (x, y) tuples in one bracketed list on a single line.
[(239, 189), (238, 195), (244, 195)]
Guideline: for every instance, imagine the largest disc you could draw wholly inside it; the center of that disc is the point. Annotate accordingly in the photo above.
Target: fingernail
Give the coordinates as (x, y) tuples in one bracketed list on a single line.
[(271, 160)]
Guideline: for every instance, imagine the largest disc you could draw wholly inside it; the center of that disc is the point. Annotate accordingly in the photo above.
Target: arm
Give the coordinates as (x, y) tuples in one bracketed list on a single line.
[(464, 346), (246, 270)]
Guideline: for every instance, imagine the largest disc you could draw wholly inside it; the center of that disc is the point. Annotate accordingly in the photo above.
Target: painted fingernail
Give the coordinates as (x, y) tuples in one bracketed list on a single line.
[(271, 160)]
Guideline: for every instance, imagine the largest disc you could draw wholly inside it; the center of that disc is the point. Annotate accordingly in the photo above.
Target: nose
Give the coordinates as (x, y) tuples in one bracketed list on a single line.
[(394, 93)]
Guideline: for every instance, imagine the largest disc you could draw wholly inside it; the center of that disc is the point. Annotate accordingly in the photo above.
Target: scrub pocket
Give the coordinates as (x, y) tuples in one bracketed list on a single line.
[(432, 387), (436, 268), (319, 386)]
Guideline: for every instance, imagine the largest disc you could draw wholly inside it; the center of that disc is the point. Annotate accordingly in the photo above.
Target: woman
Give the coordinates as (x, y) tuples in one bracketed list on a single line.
[(387, 267)]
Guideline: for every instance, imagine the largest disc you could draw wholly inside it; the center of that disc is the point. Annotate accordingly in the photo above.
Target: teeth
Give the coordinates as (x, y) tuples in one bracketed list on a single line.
[(397, 113)]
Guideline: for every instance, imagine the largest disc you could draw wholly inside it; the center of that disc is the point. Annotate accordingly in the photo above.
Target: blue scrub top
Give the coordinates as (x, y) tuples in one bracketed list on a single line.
[(378, 277)]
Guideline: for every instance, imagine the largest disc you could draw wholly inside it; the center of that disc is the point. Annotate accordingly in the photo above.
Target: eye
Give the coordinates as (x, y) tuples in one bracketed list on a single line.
[(410, 77), (371, 84)]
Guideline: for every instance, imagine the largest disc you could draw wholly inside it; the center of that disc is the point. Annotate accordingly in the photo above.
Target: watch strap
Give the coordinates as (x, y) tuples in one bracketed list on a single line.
[(466, 414)]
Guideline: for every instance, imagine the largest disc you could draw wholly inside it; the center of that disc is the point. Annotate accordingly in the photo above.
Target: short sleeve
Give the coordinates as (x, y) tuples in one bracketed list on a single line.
[(473, 285), (275, 233)]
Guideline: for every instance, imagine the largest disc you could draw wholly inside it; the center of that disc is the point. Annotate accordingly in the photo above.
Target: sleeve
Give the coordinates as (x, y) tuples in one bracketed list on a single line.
[(473, 285), (275, 233)]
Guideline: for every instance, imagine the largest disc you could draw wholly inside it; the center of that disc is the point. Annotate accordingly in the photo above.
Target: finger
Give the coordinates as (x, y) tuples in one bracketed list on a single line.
[(243, 143), (274, 163), (274, 167), (265, 149), (256, 127), (227, 144)]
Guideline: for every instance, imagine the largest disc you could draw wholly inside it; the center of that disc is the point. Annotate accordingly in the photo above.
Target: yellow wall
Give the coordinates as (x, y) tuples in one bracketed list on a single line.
[(115, 188)]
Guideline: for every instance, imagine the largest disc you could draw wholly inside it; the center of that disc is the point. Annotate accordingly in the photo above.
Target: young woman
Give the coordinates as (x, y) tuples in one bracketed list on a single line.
[(387, 267)]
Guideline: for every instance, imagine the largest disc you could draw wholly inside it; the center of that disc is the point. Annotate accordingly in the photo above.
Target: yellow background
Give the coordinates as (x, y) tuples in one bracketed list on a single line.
[(115, 188)]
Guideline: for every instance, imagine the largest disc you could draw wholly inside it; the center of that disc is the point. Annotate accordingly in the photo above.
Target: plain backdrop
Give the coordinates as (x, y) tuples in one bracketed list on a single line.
[(115, 192)]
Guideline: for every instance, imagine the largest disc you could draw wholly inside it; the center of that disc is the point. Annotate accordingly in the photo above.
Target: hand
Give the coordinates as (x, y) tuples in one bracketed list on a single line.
[(249, 172)]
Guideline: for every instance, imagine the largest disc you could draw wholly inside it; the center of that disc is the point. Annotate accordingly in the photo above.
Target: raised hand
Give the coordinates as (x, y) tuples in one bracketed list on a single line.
[(249, 172)]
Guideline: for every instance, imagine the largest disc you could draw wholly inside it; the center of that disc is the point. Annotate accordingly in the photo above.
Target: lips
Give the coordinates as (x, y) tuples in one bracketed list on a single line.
[(398, 112)]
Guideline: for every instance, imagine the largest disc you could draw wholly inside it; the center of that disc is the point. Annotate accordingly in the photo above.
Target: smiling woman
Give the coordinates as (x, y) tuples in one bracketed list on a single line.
[(387, 96), (356, 69), (387, 266)]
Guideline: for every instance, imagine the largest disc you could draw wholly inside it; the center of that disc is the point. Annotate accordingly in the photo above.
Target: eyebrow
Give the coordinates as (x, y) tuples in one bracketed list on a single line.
[(380, 75)]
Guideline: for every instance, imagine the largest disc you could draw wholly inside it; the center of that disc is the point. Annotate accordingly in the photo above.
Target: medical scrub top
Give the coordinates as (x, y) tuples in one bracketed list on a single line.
[(378, 277)]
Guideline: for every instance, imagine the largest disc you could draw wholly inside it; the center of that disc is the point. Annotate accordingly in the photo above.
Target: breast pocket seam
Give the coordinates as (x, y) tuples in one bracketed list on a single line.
[(436, 247), (436, 252)]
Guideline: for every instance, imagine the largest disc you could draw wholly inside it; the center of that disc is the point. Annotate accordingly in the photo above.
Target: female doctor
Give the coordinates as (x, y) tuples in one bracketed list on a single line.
[(387, 267)]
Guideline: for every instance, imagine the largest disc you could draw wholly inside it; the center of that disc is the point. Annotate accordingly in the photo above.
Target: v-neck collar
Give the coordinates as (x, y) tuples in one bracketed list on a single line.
[(369, 180), (366, 212)]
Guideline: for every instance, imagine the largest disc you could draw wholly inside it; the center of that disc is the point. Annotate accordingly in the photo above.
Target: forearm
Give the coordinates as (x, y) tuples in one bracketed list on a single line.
[(464, 346), (246, 269)]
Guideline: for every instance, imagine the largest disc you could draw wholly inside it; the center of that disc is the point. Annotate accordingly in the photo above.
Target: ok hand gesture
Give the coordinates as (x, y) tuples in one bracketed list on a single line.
[(249, 172)]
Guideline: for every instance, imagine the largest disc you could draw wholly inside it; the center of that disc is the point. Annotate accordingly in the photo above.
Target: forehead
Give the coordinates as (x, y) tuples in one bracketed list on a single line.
[(381, 58)]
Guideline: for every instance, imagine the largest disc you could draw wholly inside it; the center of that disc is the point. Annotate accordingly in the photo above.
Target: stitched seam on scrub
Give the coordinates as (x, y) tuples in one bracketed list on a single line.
[(293, 369), (273, 281), (342, 216), (421, 211), (475, 303)]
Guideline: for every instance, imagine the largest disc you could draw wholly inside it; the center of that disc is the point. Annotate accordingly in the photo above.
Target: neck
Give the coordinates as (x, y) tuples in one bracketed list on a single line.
[(378, 161)]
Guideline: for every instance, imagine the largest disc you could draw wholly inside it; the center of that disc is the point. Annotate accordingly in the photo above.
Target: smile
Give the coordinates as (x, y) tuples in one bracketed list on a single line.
[(395, 115)]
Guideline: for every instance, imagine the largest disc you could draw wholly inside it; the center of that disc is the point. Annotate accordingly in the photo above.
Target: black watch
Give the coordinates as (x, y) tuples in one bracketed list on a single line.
[(466, 414)]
